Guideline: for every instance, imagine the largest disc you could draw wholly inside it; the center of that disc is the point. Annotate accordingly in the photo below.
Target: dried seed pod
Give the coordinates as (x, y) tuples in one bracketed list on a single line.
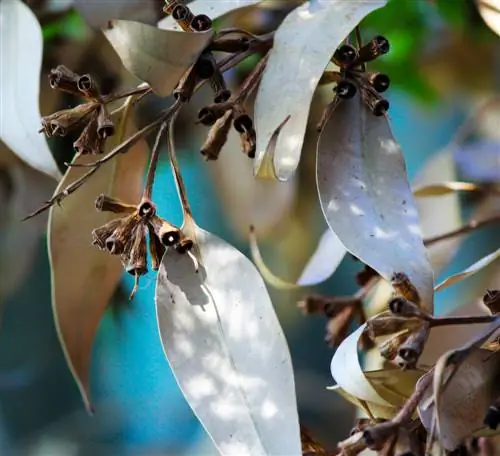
[(89, 141), (379, 81), (402, 307), (242, 121), (61, 78), (65, 120), (116, 244), (105, 203), (217, 137), (205, 66), (201, 23), (105, 126), (156, 249), (101, 234), (403, 286), (345, 55), (248, 141), (168, 234), (491, 299), (345, 89), (378, 46), (183, 16), (386, 324), (146, 209), (88, 86), (209, 114), (410, 351), (389, 348), (170, 5), (136, 261), (492, 419), (218, 85), (377, 436), (231, 45), (378, 105), (185, 88)]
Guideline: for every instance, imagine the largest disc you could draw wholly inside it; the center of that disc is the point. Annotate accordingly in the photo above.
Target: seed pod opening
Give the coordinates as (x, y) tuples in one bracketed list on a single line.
[(105, 203), (378, 105), (201, 23), (61, 78), (105, 126), (87, 86), (183, 15), (345, 55), (205, 66), (146, 209), (345, 89)]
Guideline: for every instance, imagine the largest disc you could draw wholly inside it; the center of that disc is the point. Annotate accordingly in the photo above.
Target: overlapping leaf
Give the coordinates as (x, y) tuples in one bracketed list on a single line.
[(212, 8), (465, 384), (84, 278), (303, 46), (158, 57), (21, 46), (366, 198), (227, 350), (97, 14)]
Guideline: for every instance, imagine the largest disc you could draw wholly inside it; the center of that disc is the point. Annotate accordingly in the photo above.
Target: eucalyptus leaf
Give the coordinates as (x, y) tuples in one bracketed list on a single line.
[(366, 199), (471, 270), (463, 404), (84, 278), (303, 46), (212, 8), (227, 351), (158, 57), (490, 12), (21, 48)]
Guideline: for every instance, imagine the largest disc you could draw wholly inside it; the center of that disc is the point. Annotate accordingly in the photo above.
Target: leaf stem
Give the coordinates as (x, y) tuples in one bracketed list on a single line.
[(153, 163), (142, 89), (444, 321)]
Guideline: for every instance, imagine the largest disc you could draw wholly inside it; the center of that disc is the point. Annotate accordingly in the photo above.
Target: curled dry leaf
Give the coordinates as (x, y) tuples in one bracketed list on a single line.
[(471, 270), (465, 401), (303, 46), (21, 190), (20, 86), (323, 263), (490, 12), (84, 278), (366, 198), (158, 57), (227, 351), (212, 8)]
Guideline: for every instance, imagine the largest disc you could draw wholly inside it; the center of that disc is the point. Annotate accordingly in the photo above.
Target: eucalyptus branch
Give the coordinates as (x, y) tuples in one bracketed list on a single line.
[(142, 89), (153, 163)]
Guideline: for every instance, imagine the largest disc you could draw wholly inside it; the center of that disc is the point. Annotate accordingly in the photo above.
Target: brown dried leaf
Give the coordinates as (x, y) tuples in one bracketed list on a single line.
[(84, 278)]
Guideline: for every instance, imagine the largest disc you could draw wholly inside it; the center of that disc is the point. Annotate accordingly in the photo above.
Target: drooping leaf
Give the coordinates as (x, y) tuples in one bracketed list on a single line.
[(227, 350), (22, 189), (84, 278), (366, 198), (20, 86), (158, 57), (471, 270), (212, 8), (463, 405), (490, 12), (303, 45), (97, 14)]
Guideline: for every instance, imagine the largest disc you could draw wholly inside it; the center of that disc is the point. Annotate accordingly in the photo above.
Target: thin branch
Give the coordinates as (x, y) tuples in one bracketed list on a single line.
[(153, 163), (465, 229), (444, 321), (142, 89)]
